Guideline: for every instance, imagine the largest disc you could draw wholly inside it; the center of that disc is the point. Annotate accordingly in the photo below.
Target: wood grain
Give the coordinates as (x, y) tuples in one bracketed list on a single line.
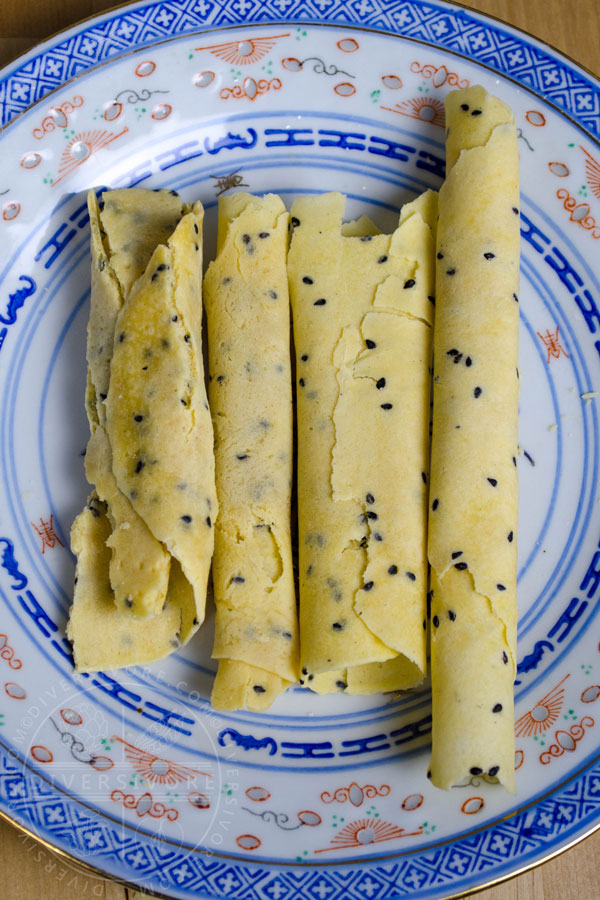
[(29, 870)]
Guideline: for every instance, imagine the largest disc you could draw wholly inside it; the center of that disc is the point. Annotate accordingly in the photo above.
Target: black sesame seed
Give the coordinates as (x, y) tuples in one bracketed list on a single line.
[(371, 515), (515, 298), (515, 210), (477, 392), (489, 255), (493, 481), (301, 382), (238, 579), (386, 405), (184, 402), (305, 671), (337, 626), (377, 536), (514, 459), (451, 615), (500, 587), (307, 280), (220, 379), (310, 677), (464, 106), (450, 271), (497, 708), (208, 521), (320, 302), (368, 586), (476, 112), (138, 418), (440, 256), (226, 280), (380, 384), (304, 357), (196, 247), (241, 456), (493, 771), (424, 477), (195, 228), (187, 519), (174, 318), (429, 773), (341, 685), (366, 237), (103, 396), (409, 284), (295, 222), (187, 338), (370, 344), (139, 466), (393, 570), (195, 621), (456, 554), (273, 295), (457, 358), (246, 238), (461, 566), (510, 537), (264, 234), (435, 621), (286, 634), (370, 498), (128, 602), (382, 259), (504, 657), (453, 352), (259, 689), (435, 504), (121, 337), (476, 771), (411, 576), (468, 362)]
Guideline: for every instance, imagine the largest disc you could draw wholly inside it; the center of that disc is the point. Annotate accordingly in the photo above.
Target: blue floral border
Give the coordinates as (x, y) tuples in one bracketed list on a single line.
[(451, 28), (485, 855)]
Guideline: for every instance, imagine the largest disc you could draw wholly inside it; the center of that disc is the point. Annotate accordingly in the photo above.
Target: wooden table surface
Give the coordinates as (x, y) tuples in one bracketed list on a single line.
[(28, 870)]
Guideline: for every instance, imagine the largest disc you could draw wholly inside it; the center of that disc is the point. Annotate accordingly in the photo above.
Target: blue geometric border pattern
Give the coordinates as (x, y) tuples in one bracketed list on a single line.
[(456, 866), (501, 49)]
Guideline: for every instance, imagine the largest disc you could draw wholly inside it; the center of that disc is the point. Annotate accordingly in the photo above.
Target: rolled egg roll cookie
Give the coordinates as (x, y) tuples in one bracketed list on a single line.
[(125, 229), (157, 417), (248, 318), (102, 637), (363, 307), (474, 490)]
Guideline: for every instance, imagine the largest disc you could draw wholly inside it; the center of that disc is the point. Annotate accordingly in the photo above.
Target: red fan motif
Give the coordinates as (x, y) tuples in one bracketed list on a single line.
[(592, 170), (427, 109), (82, 147), (242, 53), (544, 714), (156, 769), (367, 831)]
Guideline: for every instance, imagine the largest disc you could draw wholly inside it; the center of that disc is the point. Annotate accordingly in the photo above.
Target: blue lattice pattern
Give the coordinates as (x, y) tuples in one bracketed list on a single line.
[(496, 47), (455, 866)]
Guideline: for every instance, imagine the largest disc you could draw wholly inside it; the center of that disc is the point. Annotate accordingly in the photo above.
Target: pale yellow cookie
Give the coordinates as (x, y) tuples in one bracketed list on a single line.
[(248, 317), (363, 307), (157, 416), (474, 491)]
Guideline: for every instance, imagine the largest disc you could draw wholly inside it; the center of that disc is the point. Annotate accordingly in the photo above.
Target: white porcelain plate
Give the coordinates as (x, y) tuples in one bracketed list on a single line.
[(320, 797)]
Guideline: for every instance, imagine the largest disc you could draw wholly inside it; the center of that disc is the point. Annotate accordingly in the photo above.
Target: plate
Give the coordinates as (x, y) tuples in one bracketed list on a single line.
[(131, 772)]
